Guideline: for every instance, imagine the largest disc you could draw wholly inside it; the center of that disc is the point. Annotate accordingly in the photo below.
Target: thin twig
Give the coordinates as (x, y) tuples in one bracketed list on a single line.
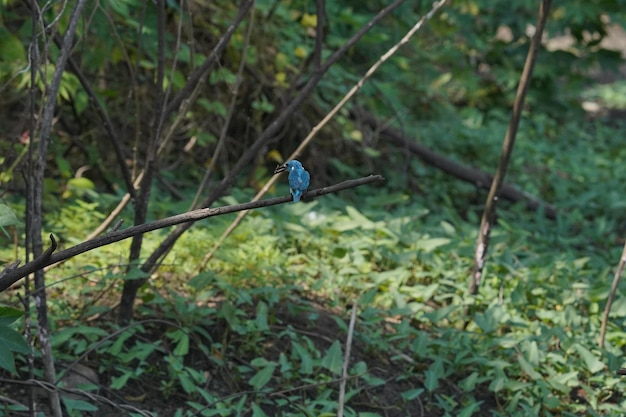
[(488, 217), (609, 301), (346, 362)]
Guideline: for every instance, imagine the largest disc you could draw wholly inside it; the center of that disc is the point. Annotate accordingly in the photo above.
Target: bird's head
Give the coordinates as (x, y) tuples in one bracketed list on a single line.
[(289, 166)]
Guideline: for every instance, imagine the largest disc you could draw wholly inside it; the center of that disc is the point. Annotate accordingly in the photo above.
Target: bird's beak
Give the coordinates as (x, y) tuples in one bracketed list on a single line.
[(280, 168)]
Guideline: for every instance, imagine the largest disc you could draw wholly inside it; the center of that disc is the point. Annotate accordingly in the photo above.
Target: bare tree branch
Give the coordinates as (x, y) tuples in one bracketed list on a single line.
[(11, 275), (36, 186), (487, 220), (346, 362), (609, 301)]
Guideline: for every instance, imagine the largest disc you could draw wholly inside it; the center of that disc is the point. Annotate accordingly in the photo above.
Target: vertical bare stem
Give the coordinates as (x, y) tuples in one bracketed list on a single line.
[(609, 302), (487, 220), (346, 362), (33, 58), (36, 193), (141, 204)]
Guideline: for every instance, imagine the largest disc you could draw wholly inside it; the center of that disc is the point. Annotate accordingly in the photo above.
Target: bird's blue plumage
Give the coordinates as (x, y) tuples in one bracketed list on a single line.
[(299, 179)]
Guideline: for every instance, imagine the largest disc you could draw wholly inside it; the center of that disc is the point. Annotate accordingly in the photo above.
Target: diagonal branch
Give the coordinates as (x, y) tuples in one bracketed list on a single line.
[(11, 275)]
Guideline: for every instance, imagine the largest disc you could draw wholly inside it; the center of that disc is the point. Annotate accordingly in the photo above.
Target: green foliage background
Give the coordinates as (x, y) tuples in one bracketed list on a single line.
[(261, 330)]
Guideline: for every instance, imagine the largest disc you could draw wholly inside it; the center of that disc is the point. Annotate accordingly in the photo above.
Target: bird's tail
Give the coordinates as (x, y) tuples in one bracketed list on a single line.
[(296, 195)]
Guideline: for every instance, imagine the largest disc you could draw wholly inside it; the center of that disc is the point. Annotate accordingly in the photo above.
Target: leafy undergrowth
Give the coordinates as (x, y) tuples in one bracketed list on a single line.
[(262, 329)]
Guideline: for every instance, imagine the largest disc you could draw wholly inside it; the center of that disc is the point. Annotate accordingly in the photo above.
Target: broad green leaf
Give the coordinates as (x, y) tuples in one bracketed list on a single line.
[(412, 394), (202, 280), (469, 410), (262, 377), (73, 404), (592, 363), (306, 361), (469, 383), (7, 216), (12, 49), (81, 184), (356, 216), (182, 347), (429, 245), (333, 360), (12, 340), (186, 382), (261, 316), (433, 374), (257, 411), (532, 352), (118, 382), (8, 315), (7, 359), (259, 362), (528, 368)]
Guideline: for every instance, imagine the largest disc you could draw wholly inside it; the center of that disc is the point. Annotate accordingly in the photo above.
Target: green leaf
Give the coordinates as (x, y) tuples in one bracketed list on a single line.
[(182, 347), (257, 411), (81, 184), (12, 49), (528, 368), (7, 359), (12, 340), (468, 411), (202, 280), (261, 316), (357, 217), (306, 361), (186, 383), (262, 377), (592, 363), (532, 352), (429, 245), (8, 315), (333, 360), (433, 374), (468, 384), (412, 394), (73, 404), (118, 382), (7, 216)]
